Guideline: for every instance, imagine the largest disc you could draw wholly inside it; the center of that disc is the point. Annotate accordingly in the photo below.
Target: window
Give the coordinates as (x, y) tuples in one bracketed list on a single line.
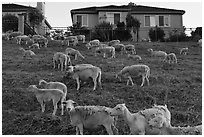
[(79, 19), (150, 21), (116, 18), (113, 18), (82, 19), (164, 21)]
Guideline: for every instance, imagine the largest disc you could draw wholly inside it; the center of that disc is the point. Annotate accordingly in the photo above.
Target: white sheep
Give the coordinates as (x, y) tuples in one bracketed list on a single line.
[(159, 53), (22, 38), (42, 41), (184, 51), (27, 53), (120, 47), (93, 43), (84, 72), (159, 127), (105, 50), (113, 42), (74, 52), (81, 37), (72, 39), (135, 57), (135, 70), (61, 59), (171, 58), (90, 117), (45, 95), (55, 85), (35, 45), (131, 48)]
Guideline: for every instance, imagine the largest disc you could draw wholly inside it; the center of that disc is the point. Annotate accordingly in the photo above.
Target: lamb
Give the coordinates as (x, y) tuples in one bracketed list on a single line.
[(90, 117), (171, 58), (81, 37), (113, 42), (35, 45), (158, 124), (184, 51), (45, 95), (72, 39), (5, 36), (135, 57), (42, 41), (74, 52), (130, 48), (120, 48), (61, 59), (93, 43), (159, 53), (22, 38), (14, 34), (105, 50), (135, 70), (84, 72), (55, 85), (27, 53)]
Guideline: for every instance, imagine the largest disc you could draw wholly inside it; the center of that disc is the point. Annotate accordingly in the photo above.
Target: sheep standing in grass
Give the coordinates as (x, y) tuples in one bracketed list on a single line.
[(45, 95), (27, 53), (135, 57), (93, 43), (35, 45), (105, 50), (120, 48), (90, 117), (159, 53), (184, 51), (22, 38), (62, 59), (81, 38), (113, 42), (158, 124), (74, 52), (84, 72), (135, 70), (131, 48), (171, 58), (55, 85)]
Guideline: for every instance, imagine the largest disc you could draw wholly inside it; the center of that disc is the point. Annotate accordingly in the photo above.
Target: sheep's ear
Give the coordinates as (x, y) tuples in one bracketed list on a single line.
[(165, 105)]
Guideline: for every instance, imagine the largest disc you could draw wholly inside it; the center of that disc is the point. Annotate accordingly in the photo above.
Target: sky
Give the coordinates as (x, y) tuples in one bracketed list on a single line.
[(58, 13)]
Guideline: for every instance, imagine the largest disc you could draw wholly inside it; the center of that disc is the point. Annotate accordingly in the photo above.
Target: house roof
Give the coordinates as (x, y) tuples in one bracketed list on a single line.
[(139, 9), (14, 7)]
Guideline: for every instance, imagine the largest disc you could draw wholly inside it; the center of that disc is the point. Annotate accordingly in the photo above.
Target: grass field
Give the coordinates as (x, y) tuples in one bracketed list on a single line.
[(179, 86)]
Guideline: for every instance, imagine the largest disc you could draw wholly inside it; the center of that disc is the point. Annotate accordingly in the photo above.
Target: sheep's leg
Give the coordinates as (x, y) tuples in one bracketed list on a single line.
[(42, 106), (147, 80), (78, 83), (130, 80), (95, 83), (143, 80), (75, 56), (62, 107), (55, 108), (80, 128), (99, 80), (77, 131), (108, 129)]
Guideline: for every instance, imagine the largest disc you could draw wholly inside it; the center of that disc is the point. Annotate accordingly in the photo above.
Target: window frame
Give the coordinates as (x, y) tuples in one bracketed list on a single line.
[(82, 16)]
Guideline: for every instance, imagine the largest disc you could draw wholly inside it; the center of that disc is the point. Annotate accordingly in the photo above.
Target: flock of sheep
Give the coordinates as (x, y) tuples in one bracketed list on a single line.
[(155, 120)]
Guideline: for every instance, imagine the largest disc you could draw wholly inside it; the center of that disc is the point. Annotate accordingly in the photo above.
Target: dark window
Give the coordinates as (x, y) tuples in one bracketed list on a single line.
[(116, 18), (79, 19), (147, 20), (161, 20)]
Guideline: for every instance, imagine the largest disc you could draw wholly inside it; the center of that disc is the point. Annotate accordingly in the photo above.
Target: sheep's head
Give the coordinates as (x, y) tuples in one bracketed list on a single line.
[(118, 76), (42, 82), (32, 88), (118, 110), (157, 121), (88, 45), (150, 50), (69, 104)]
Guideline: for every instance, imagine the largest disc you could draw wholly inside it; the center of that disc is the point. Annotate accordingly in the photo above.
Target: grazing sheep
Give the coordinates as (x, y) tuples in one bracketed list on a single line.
[(5, 36), (105, 50), (74, 52), (27, 53), (90, 117), (131, 48), (135, 57), (55, 85), (81, 38), (22, 38), (35, 45), (119, 48), (93, 43), (45, 95), (61, 59), (72, 39), (158, 124), (171, 58), (14, 34), (135, 70), (84, 72), (184, 51), (113, 42), (42, 41), (158, 53)]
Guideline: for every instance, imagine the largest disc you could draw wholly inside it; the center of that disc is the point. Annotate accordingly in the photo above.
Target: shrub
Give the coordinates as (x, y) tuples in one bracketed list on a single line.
[(121, 32), (174, 37), (77, 29), (156, 34), (9, 22)]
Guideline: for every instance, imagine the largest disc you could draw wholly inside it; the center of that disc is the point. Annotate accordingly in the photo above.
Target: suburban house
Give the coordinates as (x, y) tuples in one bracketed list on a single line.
[(21, 12), (170, 20)]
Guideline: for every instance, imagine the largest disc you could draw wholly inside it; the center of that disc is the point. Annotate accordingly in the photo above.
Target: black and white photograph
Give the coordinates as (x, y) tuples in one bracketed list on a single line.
[(102, 67)]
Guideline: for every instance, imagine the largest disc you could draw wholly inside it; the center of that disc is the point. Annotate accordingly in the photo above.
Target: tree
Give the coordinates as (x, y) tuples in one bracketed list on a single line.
[(133, 23), (9, 22), (156, 34), (35, 17)]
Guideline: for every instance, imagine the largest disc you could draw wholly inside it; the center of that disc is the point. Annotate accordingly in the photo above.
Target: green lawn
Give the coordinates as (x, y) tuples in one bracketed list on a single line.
[(179, 86)]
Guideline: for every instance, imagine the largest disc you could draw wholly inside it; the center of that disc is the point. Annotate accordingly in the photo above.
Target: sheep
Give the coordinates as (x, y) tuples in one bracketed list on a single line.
[(135, 57), (184, 51), (81, 37), (120, 48), (158, 53), (135, 70), (45, 95), (158, 124), (61, 59), (106, 49), (93, 43), (14, 34), (27, 53), (71, 51), (5, 36), (130, 48), (72, 39), (84, 72), (200, 42), (90, 117), (22, 38), (35, 45), (55, 85), (42, 41), (113, 42), (171, 58)]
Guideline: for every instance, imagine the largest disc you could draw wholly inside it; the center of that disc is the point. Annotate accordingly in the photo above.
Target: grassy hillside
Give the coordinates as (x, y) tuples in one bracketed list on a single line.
[(179, 86)]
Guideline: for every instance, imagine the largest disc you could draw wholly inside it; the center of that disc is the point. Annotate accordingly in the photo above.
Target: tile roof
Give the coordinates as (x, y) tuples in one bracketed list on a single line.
[(14, 7)]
